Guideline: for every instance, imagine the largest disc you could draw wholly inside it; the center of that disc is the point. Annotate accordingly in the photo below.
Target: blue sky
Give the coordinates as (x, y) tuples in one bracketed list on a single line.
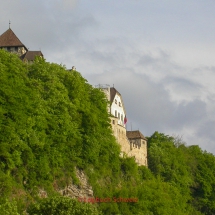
[(158, 54)]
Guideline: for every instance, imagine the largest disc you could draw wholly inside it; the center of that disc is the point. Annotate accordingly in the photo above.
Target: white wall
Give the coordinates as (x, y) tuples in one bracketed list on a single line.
[(117, 108)]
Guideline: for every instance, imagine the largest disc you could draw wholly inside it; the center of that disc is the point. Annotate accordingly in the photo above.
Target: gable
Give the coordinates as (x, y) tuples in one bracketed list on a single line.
[(114, 94)]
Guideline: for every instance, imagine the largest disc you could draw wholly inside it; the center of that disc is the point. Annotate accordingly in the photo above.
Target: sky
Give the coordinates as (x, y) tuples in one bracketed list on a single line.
[(158, 54)]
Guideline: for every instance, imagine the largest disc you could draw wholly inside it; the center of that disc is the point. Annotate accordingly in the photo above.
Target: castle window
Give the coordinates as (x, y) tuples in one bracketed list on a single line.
[(119, 115), (120, 104), (115, 113), (113, 121), (115, 101)]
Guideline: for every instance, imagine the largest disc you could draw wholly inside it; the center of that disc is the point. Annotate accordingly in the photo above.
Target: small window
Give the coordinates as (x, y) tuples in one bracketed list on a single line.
[(115, 113), (120, 104), (114, 122), (115, 101), (119, 115)]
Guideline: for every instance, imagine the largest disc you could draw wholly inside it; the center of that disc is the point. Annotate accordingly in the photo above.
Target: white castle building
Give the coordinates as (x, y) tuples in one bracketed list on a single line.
[(132, 143)]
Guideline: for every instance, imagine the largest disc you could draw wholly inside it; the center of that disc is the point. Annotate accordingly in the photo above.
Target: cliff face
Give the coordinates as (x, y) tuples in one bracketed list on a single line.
[(83, 190)]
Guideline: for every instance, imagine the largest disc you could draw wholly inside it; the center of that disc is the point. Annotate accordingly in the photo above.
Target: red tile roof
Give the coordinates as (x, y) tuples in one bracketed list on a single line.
[(9, 39)]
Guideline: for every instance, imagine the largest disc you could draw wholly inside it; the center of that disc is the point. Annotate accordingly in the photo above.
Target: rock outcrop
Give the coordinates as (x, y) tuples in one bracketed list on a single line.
[(83, 190)]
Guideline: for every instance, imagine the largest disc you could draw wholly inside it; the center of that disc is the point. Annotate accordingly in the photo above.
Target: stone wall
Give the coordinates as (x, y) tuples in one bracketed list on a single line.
[(137, 148)]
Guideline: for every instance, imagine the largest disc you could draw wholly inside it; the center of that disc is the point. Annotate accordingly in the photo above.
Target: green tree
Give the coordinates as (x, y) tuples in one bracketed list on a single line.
[(62, 206)]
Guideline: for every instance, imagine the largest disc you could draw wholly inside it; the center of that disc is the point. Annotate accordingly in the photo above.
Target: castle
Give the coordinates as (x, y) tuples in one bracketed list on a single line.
[(132, 143), (10, 42)]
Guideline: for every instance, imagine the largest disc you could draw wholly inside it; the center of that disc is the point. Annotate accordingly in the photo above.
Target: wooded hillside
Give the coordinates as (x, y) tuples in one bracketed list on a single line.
[(52, 120)]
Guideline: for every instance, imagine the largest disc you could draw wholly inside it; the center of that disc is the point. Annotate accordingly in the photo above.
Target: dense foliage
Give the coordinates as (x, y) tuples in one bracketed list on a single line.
[(52, 120), (62, 206)]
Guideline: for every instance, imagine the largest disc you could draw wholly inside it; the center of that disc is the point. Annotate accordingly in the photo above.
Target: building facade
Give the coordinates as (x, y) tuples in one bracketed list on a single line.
[(132, 143)]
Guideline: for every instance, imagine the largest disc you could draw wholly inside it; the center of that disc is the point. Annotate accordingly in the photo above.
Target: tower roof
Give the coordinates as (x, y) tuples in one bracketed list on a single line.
[(135, 135), (9, 39)]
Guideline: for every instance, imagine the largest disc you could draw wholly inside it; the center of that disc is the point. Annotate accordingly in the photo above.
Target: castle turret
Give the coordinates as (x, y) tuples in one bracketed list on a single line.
[(11, 43)]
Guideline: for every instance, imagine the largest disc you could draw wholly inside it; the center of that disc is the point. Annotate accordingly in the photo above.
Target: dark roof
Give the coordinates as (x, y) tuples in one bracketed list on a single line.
[(135, 135), (30, 55), (8, 39)]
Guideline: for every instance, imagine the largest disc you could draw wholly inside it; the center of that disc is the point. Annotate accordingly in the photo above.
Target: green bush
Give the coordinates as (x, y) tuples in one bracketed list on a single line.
[(62, 206), (8, 208)]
